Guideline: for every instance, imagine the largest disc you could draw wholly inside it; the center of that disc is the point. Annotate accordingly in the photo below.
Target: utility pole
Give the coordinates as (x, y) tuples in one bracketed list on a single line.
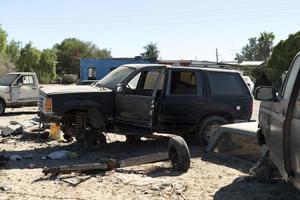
[(217, 55)]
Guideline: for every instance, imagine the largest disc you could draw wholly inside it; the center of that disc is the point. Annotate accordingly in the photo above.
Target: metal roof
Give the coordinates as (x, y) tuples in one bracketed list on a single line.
[(251, 63)]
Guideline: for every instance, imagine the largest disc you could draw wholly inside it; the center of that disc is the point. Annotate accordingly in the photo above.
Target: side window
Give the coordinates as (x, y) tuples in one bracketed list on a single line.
[(133, 83), (143, 83), (290, 80), (183, 83), (26, 80), (225, 84)]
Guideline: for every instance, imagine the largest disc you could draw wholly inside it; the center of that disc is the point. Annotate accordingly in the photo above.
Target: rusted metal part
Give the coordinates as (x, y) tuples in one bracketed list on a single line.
[(144, 159), (109, 165), (65, 169)]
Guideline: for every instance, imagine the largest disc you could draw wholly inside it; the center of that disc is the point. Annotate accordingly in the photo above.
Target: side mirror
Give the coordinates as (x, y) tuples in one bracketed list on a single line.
[(265, 93), (120, 88)]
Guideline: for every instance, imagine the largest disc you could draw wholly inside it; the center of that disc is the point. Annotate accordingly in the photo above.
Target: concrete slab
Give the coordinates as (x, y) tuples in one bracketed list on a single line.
[(246, 129)]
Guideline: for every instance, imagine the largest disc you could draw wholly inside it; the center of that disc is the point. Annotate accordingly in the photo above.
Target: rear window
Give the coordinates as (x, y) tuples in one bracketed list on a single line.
[(225, 84)]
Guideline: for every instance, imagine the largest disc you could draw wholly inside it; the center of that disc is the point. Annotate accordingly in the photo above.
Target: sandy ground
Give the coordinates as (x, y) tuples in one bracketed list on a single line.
[(210, 176)]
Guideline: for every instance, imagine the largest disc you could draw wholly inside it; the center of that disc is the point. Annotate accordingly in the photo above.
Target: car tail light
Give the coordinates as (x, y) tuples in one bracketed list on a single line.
[(48, 105)]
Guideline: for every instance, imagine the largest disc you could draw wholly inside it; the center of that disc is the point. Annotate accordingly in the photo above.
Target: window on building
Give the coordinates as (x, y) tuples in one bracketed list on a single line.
[(92, 73)]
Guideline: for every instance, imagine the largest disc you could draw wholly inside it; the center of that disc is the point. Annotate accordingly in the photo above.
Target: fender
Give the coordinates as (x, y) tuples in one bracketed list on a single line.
[(79, 105)]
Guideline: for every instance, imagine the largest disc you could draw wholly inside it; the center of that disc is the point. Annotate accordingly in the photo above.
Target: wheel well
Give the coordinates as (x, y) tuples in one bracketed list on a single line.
[(94, 116), (1, 99)]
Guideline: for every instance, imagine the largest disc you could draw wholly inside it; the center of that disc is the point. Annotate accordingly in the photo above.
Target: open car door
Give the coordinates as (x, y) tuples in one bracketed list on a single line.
[(135, 108)]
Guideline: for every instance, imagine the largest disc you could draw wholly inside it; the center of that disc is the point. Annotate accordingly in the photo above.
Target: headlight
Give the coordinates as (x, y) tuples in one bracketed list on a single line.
[(48, 105)]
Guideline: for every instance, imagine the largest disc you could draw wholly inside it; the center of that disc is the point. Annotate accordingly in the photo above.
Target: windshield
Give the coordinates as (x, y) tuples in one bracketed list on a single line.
[(8, 79), (114, 77)]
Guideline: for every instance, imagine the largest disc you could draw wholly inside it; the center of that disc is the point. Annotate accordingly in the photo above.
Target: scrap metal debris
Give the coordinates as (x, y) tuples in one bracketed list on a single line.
[(62, 155), (109, 165), (15, 157), (16, 128), (178, 153)]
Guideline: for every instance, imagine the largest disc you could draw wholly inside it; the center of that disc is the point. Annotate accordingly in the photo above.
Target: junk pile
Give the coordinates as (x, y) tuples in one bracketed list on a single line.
[(31, 129), (17, 128)]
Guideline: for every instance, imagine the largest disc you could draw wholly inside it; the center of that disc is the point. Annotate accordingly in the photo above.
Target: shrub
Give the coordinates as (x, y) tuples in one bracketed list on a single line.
[(69, 78)]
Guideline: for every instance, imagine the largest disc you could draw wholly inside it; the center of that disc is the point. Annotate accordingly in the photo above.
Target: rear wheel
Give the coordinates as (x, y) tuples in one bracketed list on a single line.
[(2, 107), (208, 128)]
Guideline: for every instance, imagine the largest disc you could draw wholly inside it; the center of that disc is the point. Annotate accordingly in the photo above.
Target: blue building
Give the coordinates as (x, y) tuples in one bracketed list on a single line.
[(96, 69)]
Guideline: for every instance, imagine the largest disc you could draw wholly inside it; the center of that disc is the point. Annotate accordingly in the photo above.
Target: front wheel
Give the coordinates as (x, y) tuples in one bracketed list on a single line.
[(94, 139), (208, 128), (2, 107)]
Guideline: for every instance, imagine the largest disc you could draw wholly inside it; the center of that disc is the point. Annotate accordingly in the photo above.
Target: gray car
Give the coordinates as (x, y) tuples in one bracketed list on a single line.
[(279, 120)]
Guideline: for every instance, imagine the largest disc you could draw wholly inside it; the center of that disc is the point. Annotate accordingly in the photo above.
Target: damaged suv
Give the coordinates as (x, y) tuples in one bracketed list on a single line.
[(140, 99)]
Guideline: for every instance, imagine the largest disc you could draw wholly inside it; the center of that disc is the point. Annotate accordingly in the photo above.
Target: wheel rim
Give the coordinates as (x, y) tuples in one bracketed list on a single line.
[(211, 130)]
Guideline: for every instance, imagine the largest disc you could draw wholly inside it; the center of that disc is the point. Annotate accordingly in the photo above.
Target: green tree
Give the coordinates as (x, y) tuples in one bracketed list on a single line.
[(257, 49), (29, 58), (46, 70), (70, 50), (13, 50), (282, 56), (3, 41), (151, 51)]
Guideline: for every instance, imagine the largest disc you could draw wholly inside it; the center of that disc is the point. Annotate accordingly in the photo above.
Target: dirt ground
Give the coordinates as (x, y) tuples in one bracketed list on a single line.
[(210, 176)]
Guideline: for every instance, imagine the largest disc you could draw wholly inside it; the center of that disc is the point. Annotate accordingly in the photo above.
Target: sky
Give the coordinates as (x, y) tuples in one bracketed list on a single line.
[(186, 29)]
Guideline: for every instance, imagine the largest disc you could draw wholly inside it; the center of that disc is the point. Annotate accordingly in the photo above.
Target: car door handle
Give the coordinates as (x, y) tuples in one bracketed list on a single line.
[(283, 112)]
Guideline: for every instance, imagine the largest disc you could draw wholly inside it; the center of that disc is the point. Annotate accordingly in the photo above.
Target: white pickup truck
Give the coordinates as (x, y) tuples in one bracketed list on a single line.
[(18, 89)]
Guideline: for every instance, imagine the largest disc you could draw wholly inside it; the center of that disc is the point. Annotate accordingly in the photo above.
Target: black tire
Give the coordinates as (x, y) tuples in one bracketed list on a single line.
[(2, 107), (208, 128), (179, 153), (33, 132), (94, 140)]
